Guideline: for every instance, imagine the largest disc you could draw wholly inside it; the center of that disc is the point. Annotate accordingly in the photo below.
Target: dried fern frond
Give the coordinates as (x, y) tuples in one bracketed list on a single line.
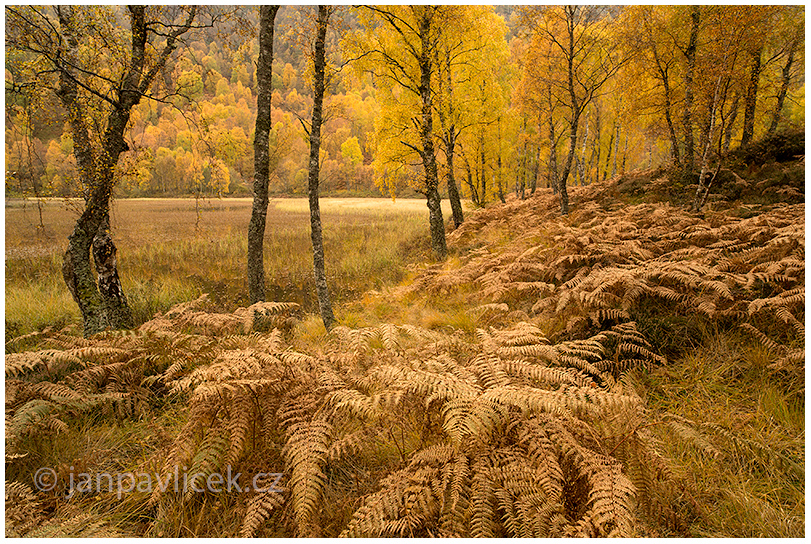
[(770, 344), (208, 459), (23, 510), (306, 453), (260, 507)]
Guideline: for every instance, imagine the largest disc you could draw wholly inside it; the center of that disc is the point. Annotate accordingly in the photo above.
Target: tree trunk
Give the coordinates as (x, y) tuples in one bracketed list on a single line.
[(101, 299), (436, 221), (750, 103), (500, 180), (624, 152), (567, 167), (116, 311), (553, 157), (576, 109), (781, 95), (76, 269), (698, 201), (483, 194), (453, 191), (261, 154), (535, 171), (319, 64), (674, 141), (473, 186), (537, 160), (608, 158), (671, 129), (690, 54), (581, 166), (731, 124), (449, 139), (597, 146), (618, 128), (521, 189)]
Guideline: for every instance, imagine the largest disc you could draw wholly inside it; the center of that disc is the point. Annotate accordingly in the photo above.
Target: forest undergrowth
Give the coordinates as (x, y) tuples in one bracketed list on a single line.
[(628, 370)]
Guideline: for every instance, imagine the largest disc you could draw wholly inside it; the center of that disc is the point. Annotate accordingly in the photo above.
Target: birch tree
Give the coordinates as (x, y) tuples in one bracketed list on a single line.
[(99, 74), (314, 136), (399, 49), (584, 59), (261, 154)]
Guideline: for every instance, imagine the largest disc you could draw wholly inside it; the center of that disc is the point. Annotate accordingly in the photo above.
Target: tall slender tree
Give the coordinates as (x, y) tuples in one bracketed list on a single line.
[(261, 154), (645, 31), (319, 86), (689, 76), (399, 49), (447, 108)]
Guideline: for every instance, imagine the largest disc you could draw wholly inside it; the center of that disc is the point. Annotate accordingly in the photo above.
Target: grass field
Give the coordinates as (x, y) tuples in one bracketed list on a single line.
[(171, 250)]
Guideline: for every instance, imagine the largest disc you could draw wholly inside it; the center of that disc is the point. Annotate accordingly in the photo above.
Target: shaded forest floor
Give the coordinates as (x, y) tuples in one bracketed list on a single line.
[(631, 370)]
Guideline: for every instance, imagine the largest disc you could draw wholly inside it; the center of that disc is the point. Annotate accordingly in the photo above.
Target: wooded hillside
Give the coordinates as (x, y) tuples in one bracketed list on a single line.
[(646, 83)]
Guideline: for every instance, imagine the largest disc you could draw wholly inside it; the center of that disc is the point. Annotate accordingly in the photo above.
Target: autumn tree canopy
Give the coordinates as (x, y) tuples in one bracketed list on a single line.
[(644, 80)]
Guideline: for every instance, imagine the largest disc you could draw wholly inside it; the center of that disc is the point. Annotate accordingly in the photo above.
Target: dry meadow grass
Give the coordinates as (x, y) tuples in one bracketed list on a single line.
[(173, 250)]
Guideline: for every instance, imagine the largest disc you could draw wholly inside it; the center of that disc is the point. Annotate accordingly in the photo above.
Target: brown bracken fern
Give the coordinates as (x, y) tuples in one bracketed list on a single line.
[(527, 426), (502, 434)]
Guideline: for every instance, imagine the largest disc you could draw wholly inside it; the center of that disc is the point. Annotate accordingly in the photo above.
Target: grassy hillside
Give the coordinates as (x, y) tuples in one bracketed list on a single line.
[(628, 370)]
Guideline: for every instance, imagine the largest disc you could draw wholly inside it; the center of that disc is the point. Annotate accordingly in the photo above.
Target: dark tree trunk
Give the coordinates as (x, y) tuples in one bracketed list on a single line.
[(567, 167), (608, 157), (499, 179), (553, 157), (453, 191), (261, 154), (690, 54), (750, 103), (664, 75), (76, 268), (598, 128), (671, 129), (781, 95), (437, 223), (521, 193), (576, 109), (449, 136), (483, 194), (319, 64), (618, 128), (471, 184), (535, 171), (101, 299), (731, 123)]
